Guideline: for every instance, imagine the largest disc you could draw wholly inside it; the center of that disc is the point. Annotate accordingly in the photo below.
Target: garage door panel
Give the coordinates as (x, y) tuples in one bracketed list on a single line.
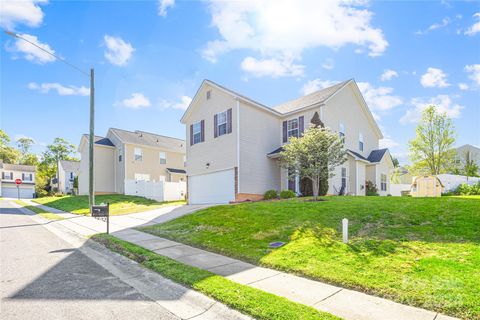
[(217, 187), (9, 192)]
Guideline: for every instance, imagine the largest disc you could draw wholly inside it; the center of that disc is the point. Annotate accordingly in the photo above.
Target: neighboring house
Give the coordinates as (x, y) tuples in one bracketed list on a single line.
[(11, 172), (123, 156), (67, 171), (234, 142), (467, 151)]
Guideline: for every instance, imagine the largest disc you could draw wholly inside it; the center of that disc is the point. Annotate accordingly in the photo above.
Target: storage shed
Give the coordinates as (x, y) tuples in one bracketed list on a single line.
[(426, 186)]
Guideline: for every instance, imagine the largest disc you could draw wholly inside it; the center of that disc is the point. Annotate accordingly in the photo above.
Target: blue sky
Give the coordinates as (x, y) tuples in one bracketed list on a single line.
[(151, 56)]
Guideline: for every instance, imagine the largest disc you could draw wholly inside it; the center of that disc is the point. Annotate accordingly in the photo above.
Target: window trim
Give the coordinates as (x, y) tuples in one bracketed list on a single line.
[(383, 184), (297, 129), (361, 144), (224, 123), (25, 175), (343, 178), (164, 158), (10, 175), (135, 154), (199, 133)]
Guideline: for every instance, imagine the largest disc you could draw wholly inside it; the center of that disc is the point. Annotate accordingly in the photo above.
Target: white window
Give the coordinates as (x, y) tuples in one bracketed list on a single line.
[(138, 154), (341, 132), (383, 182), (360, 141), (142, 177), (209, 94), (344, 178), (7, 175), (222, 123), (27, 177), (184, 161), (163, 157), (292, 128), (197, 132)]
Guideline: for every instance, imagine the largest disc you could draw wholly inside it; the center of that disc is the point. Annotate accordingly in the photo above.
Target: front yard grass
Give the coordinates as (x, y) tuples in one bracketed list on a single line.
[(119, 203), (251, 301), (40, 211), (418, 251)]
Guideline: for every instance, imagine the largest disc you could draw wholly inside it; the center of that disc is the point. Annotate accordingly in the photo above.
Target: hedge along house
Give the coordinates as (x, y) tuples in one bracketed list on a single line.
[(234, 142)]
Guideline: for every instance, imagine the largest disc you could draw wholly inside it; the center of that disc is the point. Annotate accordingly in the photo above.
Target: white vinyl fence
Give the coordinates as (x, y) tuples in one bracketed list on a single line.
[(452, 181), (159, 191), (397, 188)]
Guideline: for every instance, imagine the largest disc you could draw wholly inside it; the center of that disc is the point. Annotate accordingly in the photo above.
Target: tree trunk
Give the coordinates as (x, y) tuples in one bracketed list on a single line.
[(315, 184)]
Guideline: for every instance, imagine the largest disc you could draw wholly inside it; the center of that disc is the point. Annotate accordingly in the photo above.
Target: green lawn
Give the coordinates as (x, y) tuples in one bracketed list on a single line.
[(418, 251), (251, 301), (119, 204), (39, 211)]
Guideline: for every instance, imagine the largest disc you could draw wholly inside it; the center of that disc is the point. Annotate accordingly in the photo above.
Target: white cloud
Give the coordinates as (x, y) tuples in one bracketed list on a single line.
[(434, 77), (136, 101), (60, 89), (379, 98), (445, 22), (463, 86), (388, 74), (28, 12), (315, 85), (474, 72), (387, 142), (443, 102), (163, 5), (271, 67), (118, 51), (328, 64), (286, 28), (30, 52), (474, 28), (181, 105)]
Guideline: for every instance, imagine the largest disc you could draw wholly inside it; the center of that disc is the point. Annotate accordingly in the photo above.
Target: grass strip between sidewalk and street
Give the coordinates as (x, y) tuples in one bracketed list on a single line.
[(44, 214), (250, 301)]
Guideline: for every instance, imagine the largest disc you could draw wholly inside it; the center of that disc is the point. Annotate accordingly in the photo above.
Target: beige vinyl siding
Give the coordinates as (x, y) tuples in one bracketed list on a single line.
[(220, 152), (119, 166), (384, 167), (104, 171), (345, 107), (258, 173), (150, 163)]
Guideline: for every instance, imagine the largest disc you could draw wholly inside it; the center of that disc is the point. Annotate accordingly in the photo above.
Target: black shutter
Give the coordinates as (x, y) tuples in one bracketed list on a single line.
[(301, 125), (3, 175), (202, 130), (23, 176), (191, 135), (215, 126), (285, 137), (31, 177), (229, 120)]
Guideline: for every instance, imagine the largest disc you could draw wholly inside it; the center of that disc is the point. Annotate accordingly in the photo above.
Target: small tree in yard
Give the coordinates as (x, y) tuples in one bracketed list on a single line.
[(431, 150), (315, 155)]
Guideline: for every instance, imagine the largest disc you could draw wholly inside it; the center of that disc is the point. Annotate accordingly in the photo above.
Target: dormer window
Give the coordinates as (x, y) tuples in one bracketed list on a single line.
[(360, 141), (292, 128)]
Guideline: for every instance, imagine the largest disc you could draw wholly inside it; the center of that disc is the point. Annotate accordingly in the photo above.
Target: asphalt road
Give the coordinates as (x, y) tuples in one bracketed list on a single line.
[(43, 277)]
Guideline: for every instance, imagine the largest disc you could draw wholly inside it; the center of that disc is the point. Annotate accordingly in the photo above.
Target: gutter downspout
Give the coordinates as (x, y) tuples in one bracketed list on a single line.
[(238, 145)]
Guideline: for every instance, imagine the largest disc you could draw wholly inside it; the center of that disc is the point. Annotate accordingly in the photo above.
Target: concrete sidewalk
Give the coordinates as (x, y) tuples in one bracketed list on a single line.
[(345, 303)]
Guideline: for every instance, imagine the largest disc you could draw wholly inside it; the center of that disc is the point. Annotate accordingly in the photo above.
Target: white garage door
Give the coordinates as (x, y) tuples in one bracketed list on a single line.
[(8, 192), (217, 187)]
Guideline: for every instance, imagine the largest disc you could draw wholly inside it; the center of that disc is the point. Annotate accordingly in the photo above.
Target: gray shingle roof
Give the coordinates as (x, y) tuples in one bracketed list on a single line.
[(173, 170), (376, 155), (316, 97), (101, 140), (17, 167), (150, 139), (70, 166)]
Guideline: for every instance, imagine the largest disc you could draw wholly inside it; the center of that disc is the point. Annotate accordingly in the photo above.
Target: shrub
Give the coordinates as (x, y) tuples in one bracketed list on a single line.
[(466, 190), (270, 194), (287, 194), (371, 188)]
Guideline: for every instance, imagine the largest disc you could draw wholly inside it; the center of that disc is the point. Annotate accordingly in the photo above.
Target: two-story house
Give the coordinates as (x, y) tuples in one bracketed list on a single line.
[(233, 142), (125, 155), (67, 171), (12, 172)]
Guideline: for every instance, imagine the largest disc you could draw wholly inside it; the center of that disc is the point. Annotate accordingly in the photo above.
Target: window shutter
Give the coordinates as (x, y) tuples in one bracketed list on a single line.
[(285, 138), (23, 176), (202, 130), (215, 125), (191, 135), (31, 177), (301, 125), (3, 175), (229, 120)]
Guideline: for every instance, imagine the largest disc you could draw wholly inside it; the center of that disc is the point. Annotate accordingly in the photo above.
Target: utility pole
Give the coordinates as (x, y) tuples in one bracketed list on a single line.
[(91, 185)]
